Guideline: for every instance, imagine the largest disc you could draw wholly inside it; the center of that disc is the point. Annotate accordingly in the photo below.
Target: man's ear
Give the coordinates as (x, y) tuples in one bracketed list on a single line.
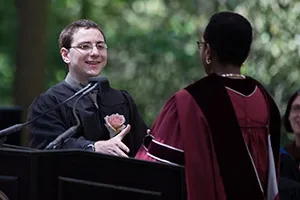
[(65, 55)]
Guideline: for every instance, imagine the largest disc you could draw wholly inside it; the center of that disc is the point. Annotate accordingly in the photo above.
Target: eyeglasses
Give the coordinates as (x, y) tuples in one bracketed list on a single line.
[(88, 47), (200, 44)]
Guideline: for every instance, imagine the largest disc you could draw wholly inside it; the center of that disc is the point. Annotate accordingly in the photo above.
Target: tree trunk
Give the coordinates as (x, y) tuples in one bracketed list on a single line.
[(30, 53)]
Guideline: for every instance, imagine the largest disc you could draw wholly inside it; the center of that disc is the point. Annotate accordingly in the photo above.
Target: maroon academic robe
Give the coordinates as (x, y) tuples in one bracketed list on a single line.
[(181, 135)]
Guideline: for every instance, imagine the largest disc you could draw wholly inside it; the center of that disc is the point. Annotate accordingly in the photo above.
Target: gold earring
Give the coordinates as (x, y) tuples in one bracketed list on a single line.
[(208, 61)]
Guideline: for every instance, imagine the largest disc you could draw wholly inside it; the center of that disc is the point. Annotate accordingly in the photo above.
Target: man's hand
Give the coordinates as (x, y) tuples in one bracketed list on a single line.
[(114, 146)]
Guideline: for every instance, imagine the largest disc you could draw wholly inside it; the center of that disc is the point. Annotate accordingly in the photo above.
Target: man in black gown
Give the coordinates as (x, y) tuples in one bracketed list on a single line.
[(83, 48)]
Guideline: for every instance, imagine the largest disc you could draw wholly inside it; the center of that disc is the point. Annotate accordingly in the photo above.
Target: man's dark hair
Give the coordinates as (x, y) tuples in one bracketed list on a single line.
[(66, 35), (229, 36), (286, 120)]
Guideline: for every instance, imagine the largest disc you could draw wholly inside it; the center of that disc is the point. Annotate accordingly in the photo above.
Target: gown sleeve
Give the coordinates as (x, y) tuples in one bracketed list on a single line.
[(46, 128), (166, 133)]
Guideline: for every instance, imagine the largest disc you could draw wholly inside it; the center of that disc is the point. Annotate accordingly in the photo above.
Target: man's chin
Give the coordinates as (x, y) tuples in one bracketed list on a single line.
[(93, 73)]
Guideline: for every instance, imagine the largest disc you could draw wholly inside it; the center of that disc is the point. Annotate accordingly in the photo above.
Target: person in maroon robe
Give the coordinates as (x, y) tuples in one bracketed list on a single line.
[(224, 128)]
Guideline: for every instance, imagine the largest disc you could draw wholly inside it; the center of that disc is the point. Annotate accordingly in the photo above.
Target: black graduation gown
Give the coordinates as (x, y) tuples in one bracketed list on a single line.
[(48, 127)]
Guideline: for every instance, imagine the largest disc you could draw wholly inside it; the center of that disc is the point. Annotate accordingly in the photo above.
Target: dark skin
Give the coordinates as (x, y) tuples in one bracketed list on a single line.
[(214, 66)]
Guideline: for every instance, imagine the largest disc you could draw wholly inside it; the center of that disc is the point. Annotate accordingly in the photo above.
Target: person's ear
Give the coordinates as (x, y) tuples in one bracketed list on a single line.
[(208, 55), (65, 55)]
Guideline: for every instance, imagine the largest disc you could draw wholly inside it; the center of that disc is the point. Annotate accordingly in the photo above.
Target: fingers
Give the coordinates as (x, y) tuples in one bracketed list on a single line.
[(123, 147), (111, 152), (112, 147), (124, 132), (119, 152)]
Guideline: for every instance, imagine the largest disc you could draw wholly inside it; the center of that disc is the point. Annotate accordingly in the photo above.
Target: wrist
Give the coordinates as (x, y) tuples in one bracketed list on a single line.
[(90, 147)]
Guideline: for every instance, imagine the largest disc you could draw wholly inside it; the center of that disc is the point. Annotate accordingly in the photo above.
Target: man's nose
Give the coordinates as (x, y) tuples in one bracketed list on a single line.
[(94, 50)]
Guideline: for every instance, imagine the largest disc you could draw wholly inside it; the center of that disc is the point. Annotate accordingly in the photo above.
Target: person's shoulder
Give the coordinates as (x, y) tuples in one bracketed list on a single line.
[(126, 94), (262, 88), (182, 95), (115, 92), (256, 82), (114, 96), (53, 95), (61, 88)]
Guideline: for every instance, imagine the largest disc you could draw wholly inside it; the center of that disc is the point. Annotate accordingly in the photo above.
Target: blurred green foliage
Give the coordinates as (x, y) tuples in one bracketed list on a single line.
[(152, 44), (8, 27)]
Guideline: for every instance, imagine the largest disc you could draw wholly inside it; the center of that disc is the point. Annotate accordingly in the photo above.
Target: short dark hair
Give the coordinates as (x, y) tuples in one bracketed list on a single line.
[(286, 120), (66, 35), (229, 36)]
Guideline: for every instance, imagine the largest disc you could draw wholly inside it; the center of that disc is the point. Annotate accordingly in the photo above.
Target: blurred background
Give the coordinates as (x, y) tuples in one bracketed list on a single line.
[(151, 46)]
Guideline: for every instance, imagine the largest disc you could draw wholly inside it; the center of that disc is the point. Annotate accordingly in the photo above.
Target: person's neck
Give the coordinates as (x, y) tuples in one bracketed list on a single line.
[(79, 80), (230, 71)]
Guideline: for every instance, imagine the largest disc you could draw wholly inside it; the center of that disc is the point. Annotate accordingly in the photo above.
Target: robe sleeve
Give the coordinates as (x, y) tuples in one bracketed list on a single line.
[(46, 128), (203, 178), (166, 132), (182, 125)]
